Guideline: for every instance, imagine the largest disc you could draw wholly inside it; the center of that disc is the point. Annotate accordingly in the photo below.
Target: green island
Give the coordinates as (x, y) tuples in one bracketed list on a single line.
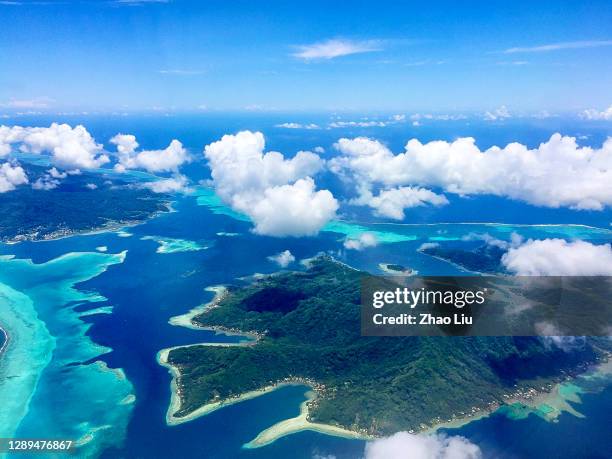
[(307, 329), (82, 203)]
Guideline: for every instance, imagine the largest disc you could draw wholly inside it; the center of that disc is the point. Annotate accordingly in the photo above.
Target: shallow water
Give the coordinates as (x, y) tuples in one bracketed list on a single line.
[(99, 322), (149, 286)]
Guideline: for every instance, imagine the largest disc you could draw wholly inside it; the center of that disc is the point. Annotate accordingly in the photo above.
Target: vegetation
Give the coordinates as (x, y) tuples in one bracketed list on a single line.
[(483, 259), (310, 322), (73, 207)]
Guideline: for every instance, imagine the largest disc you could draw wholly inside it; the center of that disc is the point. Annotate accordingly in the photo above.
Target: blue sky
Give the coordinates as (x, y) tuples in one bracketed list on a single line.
[(305, 56)]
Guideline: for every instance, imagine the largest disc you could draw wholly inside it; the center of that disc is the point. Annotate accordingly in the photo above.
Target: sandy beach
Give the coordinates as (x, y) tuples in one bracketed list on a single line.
[(175, 401), (6, 340), (301, 423), (185, 320)]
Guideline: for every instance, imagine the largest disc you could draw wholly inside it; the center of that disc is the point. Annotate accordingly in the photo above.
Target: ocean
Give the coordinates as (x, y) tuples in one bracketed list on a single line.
[(99, 318)]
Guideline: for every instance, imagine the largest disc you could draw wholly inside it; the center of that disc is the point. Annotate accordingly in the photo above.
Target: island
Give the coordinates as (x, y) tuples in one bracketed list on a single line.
[(307, 329), (485, 258), (82, 203)]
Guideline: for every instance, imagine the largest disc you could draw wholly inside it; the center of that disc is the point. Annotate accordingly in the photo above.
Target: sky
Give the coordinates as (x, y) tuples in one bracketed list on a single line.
[(131, 55)]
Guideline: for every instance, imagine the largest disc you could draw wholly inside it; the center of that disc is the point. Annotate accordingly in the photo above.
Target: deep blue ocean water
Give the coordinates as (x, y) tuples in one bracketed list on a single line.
[(148, 288)]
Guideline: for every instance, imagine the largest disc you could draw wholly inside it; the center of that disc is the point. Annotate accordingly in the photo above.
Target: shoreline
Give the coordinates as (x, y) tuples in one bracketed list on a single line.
[(186, 319), (548, 404), (300, 423), (175, 399), (7, 338), (109, 227)]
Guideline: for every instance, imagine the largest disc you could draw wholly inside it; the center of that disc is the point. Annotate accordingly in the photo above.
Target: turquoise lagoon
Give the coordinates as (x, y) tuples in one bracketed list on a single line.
[(53, 381), (86, 326)]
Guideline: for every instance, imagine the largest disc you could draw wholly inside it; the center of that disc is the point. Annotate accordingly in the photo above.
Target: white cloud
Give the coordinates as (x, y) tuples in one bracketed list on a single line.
[(345, 124), (403, 445), (91, 186), (364, 241), (278, 194), (126, 143), (500, 113), (557, 257), (558, 173), (298, 126), (559, 46), (282, 259), (593, 114), (438, 116), (293, 210), (176, 184), (319, 150), (40, 102), (45, 183), (331, 49), (53, 172), (11, 176), (70, 148), (166, 160), (391, 203), (428, 245)]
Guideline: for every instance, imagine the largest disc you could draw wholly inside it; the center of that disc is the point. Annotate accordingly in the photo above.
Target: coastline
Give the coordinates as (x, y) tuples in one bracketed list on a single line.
[(301, 423), (185, 320), (175, 399), (108, 227), (7, 338), (548, 404)]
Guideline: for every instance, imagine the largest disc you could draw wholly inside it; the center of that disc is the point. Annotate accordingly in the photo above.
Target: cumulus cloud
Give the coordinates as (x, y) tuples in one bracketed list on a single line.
[(278, 194), (54, 173), (293, 210), (50, 180), (176, 184), (403, 445), (391, 203), (558, 257), (11, 176), (166, 160), (126, 143), (593, 114), (558, 173), (565, 343), (364, 241), (70, 148), (282, 259), (331, 49), (45, 183)]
